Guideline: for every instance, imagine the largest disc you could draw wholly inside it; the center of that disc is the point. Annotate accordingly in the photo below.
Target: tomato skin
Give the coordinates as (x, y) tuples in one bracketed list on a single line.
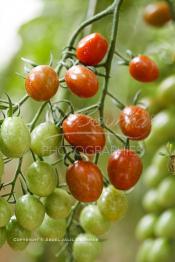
[(42, 83), (143, 69), (16, 142), (165, 226), (145, 227), (3, 236), (5, 212), (157, 14), (166, 192), (85, 181), (161, 251), (165, 93), (84, 133), (144, 249), (150, 201), (92, 49), (124, 169), (135, 122), (82, 81)]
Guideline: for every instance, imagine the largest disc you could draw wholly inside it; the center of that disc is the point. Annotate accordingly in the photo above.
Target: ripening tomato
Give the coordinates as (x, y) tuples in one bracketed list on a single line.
[(157, 14), (85, 181), (124, 169), (84, 133), (135, 122), (143, 69), (3, 236), (5, 212), (81, 81), (92, 49), (145, 227), (42, 83)]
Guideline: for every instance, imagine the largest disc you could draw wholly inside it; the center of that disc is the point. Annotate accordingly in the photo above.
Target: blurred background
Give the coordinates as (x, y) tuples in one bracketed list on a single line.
[(37, 28)]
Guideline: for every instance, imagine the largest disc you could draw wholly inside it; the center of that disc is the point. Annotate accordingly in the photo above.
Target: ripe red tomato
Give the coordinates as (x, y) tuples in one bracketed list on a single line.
[(42, 83), (85, 181), (124, 169), (157, 14), (143, 69), (81, 81), (92, 49), (135, 122), (84, 133)]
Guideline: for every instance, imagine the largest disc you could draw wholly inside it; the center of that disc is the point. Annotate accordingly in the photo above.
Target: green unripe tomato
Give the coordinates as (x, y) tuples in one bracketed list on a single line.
[(144, 249), (41, 178), (17, 236), (112, 203), (45, 139), (86, 248), (29, 212), (1, 167), (14, 137), (166, 192), (160, 251), (5, 212), (3, 236), (52, 228), (145, 227), (165, 226), (166, 92), (58, 204), (93, 221), (150, 201)]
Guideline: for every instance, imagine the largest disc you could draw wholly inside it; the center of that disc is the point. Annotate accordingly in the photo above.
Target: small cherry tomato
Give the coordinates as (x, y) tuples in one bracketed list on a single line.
[(157, 14), (42, 83), (81, 81), (150, 201), (165, 93), (145, 227), (143, 69), (135, 122), (92, 49), (161, 251), (84, 133), (124, 169), (85, 181), (165, 226), (5, 212), (166, 192), (144, 250)]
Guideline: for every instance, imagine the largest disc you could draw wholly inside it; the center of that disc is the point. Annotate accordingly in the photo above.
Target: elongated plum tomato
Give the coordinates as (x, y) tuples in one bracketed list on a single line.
[(92, 49), (81, 81), (42, 83), (124, 169), (85, 181), (135, 122), (157, 14), (143, 69), (84, 133), (14, 137)]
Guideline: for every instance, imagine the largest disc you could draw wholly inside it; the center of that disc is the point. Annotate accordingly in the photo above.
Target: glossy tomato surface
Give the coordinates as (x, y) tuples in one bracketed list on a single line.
[(85, 181), (84, 133), (81, 81), (135, 122), (143, 69), (124, 169), (157, 14), (42, 83), (92, 49)]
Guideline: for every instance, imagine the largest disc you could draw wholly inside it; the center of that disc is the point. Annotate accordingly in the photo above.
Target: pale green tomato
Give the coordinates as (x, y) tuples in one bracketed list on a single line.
[(14, 137), (165, 226), (1, 167), (59, 204), (150, 201), (144, 249), (166, 192), (145, 227), (165, 93), (41, 178), (45, 139), (112, 203), (3, 236), (86, 248), (5, 212), (93, 221), (154, 175), (52, 228), (160, 251), (29, 212), (17, 236)]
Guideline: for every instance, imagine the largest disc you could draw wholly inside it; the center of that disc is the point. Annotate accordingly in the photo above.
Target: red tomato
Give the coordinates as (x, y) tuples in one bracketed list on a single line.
[(92, 49), (135, 122), (42, 83), (85, 181), (143, 69), (81, 81), (84, 133), (124, 169), (157, 14)]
